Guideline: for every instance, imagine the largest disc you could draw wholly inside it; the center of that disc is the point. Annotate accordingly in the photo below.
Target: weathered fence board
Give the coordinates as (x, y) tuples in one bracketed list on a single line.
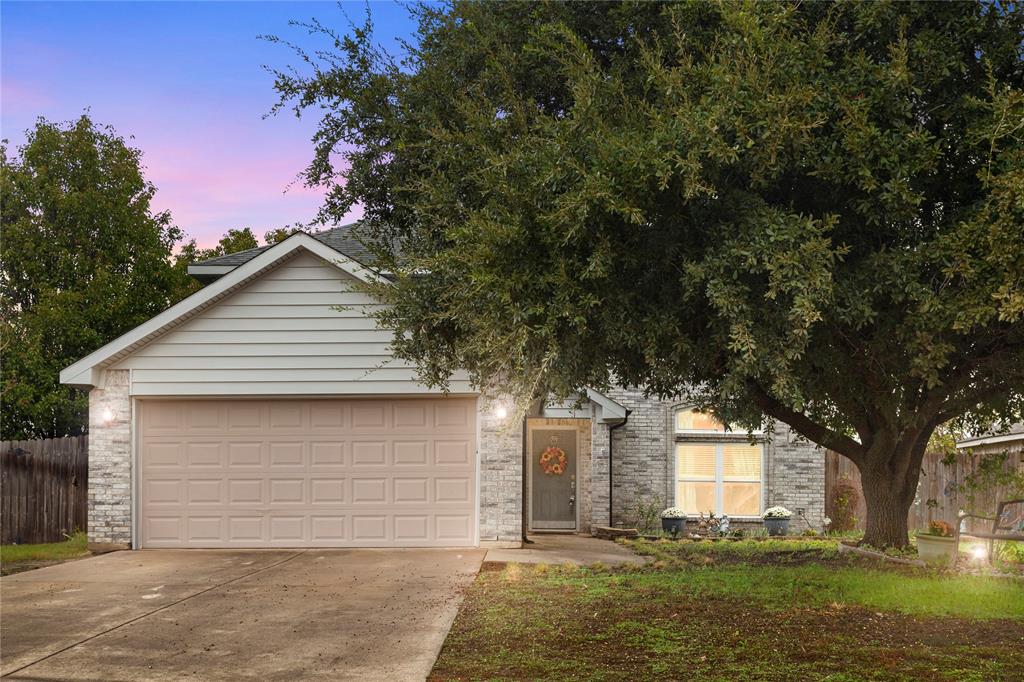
[(43, 489), (939, 497)]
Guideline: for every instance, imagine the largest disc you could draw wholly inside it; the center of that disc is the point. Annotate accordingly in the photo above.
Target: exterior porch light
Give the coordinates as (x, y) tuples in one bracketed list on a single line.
[(106, 416), (501, 412)]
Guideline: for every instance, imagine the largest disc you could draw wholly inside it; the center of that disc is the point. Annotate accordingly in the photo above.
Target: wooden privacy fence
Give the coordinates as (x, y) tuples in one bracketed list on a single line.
[(43, 491), (938, 499)]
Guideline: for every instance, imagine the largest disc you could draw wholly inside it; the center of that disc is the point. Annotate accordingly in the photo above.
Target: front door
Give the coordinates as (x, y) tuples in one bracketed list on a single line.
[(553, 478)]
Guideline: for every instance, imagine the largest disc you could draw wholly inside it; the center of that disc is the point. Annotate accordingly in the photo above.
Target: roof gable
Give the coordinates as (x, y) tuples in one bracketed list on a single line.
[(85, 372)]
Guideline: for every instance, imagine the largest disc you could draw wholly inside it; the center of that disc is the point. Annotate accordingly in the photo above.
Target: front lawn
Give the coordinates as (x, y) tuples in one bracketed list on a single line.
[(16, 558), (770, 610)]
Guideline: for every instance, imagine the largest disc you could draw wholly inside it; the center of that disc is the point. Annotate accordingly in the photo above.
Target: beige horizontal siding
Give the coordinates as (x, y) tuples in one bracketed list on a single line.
[(280, 335)]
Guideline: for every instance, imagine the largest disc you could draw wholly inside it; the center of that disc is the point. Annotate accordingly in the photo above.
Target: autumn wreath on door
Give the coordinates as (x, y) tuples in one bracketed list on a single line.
[(553, 461)]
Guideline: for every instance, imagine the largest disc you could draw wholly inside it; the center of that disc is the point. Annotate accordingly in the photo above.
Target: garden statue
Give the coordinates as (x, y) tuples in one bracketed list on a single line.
[(723, 525)]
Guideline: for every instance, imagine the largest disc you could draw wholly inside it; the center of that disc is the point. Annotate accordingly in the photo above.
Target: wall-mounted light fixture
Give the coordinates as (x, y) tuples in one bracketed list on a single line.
[(501, 412), (106, 416)]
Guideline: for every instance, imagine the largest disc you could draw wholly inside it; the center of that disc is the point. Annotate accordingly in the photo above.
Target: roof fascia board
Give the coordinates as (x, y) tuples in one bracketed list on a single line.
[(989, 440), (208, 295), (611, 411)]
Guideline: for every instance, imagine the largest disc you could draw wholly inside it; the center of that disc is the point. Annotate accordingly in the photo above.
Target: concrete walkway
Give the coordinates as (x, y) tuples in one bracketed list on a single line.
[(558, 549), (225, 614)]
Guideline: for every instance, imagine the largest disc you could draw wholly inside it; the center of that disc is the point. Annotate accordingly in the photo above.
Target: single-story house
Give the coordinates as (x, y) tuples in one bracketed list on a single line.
[(266, 410)]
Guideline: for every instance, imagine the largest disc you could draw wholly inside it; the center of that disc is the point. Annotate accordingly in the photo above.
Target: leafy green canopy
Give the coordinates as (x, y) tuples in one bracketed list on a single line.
[(84, 259), (813, 210)]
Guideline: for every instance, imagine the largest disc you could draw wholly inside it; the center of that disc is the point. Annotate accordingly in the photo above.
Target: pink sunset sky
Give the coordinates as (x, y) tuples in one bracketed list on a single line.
[(184, 81)]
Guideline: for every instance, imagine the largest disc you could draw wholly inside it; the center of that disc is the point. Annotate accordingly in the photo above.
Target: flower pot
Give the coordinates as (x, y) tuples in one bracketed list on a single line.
[(673, 526), (777, 526), (935, 549)]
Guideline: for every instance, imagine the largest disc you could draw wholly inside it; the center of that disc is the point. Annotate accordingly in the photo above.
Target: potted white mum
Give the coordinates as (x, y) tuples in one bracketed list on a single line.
[(673, 520), (776, 520)]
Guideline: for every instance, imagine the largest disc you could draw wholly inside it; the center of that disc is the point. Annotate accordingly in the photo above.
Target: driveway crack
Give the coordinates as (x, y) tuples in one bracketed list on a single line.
[(156, 610)]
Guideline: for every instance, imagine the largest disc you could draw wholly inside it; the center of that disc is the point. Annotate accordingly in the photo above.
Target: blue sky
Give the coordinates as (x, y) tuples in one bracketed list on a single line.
[(184, 80)]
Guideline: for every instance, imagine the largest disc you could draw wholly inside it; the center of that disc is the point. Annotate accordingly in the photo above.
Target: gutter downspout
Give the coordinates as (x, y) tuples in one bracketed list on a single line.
[(611, 487), (526, 463)]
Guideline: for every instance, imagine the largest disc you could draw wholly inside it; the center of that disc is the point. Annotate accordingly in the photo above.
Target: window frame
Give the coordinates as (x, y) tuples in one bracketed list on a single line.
[(718, 439)]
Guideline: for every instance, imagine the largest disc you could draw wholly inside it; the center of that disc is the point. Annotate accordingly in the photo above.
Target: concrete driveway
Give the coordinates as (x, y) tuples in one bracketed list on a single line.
[(230, 614)]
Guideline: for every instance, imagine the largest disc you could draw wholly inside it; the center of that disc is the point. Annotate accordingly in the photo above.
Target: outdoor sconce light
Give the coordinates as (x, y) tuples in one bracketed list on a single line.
[(106, 416), (500, 411)]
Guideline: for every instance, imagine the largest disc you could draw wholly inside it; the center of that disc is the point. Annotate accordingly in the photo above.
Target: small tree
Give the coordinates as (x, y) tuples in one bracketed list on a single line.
[(84, 259), (809, 212)]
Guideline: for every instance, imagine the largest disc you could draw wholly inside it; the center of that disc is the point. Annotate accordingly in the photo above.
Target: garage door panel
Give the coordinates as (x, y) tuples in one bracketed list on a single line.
[(242, 491), (246, 529), (165, 491), (206, 491), (328, 490), (453, 527), (287, 454), (328, 528), (293, 473), (327, 454), (411, 453), (370, 528), (369, 417), (245, 454), (164, 529), (369, 453), (411, 490), (244, 416), (453, 453), (328, 416)]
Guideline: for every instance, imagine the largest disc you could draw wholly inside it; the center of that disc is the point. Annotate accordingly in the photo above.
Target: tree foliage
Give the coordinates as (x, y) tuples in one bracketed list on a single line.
[(84, 259), (811, 212)]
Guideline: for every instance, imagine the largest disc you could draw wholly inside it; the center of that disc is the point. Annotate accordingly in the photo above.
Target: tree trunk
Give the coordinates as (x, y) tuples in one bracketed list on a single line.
[(887, 499)]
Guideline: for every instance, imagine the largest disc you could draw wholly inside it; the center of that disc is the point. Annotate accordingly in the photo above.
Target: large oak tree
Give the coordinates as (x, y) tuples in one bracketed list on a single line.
[(808, 212)]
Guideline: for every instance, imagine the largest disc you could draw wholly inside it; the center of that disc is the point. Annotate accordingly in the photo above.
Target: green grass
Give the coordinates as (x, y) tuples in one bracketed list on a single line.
[(15, 557), (916, 593), (752, 610)]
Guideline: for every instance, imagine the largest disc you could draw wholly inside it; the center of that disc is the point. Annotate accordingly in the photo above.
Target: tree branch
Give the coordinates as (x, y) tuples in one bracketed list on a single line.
[(808, 428)]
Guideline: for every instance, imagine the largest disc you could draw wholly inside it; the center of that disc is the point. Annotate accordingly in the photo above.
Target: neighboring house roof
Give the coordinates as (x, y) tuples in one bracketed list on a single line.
[(1015, 433), (85, 372), (340, 238)]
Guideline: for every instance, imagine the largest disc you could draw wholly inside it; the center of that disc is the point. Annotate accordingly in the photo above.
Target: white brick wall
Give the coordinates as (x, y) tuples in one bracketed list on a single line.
[(796, 477), (110, 471), (642, 466), (501, 474)]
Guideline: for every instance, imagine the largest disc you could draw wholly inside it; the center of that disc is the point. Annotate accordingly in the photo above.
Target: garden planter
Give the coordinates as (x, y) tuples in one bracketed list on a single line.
[(777, 526), (673, 526), (934, 549)]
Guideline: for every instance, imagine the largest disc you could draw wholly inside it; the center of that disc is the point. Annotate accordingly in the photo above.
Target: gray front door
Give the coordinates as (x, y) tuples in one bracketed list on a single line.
[(553, 478)]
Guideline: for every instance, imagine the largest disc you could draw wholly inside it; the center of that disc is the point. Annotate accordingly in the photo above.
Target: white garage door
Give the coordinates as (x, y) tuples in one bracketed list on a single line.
[(307, 473)]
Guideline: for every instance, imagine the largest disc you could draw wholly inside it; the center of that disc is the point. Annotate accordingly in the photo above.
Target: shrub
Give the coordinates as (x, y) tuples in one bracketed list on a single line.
[(844, 501)]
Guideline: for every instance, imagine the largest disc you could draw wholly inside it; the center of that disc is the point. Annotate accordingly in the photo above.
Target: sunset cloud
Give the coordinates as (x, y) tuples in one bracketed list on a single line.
[(183, 83)]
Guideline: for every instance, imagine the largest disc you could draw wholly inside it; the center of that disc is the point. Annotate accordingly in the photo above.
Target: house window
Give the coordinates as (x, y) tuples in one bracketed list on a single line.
[(720, 473)]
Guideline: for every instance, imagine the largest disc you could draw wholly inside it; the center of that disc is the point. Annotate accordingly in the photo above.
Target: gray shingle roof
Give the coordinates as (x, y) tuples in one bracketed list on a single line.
[(338, 238)]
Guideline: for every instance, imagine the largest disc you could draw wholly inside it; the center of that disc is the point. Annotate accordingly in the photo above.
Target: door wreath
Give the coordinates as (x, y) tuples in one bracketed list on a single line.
[(553, 461)]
